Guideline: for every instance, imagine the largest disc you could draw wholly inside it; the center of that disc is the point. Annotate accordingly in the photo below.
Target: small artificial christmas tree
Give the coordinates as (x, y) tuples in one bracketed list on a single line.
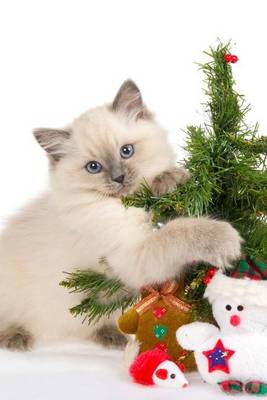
[(227, 162)]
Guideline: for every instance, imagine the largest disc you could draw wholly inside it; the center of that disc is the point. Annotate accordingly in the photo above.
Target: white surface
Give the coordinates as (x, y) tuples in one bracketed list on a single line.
[(84, 372)]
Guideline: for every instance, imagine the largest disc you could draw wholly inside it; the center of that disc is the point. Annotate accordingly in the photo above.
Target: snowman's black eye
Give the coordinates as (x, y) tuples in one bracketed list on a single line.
[(240, 308), (228, 307), (172, 376)]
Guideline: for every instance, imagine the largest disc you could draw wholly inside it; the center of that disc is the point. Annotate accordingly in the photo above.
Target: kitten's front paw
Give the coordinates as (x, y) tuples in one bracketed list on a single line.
[(16, 338), (224, 244), (168, 180)]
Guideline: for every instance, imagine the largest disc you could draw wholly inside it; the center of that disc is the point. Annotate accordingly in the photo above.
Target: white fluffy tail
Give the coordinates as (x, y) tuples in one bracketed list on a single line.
[(131, 352)]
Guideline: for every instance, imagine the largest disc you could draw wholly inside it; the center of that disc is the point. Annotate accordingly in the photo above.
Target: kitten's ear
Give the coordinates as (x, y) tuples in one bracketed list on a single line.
[(129, 101), (52, 141)]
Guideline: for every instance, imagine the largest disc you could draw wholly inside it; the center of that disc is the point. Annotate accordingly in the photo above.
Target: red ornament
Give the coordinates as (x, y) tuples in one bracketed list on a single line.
[(209, 275), (159, 312), (206, 280), (228, 58), (212, 271), (234, 59)]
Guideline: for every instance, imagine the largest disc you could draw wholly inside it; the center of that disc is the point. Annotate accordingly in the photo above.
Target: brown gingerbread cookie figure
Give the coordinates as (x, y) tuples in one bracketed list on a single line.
[(156, 318)]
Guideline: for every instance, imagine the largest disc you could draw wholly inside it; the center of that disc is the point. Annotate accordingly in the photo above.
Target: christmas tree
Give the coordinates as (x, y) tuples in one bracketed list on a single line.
[(227, 162)]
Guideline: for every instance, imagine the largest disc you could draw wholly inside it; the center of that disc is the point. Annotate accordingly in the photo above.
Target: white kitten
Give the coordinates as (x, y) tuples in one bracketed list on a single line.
[(104, 154)]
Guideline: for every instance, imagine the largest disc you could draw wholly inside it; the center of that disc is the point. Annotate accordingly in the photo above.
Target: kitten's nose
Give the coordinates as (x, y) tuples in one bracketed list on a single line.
[(119, 179)]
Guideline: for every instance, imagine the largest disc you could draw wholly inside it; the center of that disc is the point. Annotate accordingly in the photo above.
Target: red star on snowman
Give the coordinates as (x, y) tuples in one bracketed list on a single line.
[(218, 357)]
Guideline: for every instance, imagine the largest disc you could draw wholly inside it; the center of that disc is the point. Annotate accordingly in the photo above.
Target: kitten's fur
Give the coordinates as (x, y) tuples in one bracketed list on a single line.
[(81, 219)]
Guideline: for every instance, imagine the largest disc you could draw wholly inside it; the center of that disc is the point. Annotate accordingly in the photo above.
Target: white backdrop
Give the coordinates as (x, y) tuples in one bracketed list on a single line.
[(59, 57)]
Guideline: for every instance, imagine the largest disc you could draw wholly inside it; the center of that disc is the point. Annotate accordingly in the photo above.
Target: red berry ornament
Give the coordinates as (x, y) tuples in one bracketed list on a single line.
[(209, 275), (234, 59), (212, 271), (206, 280), (228, 58)]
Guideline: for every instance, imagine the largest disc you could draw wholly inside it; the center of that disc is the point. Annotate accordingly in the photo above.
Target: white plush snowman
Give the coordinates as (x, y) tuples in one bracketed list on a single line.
[(235, 354)]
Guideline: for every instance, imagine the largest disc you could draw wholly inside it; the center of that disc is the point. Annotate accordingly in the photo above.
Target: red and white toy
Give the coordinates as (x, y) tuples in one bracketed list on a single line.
[(154, 367)]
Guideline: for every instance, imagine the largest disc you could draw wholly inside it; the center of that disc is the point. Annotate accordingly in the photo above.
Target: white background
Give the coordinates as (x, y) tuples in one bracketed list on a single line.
[(60, 57)]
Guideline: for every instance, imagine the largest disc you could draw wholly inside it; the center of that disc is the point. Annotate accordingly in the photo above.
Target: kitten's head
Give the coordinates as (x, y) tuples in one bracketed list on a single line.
[(109, 150)]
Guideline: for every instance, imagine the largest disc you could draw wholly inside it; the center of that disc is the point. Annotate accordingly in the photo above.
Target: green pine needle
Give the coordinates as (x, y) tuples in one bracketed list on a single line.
[(113, 293), (93, 309), (92, 283)]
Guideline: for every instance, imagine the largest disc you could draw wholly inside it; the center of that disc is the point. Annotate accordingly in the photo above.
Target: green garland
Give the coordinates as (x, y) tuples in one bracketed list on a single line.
[(227, 162)]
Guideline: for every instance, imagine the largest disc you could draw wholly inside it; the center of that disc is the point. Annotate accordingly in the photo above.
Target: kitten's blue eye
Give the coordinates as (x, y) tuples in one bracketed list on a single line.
[(127, 151), (94, 167)]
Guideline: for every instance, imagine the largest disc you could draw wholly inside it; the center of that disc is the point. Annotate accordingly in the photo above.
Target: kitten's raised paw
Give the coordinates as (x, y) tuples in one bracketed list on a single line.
[(109, 336), (16, 338), (168, 180), (223, 244)]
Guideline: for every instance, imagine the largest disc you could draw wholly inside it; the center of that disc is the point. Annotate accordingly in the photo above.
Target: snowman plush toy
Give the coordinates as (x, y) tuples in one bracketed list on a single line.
[(234, 354)]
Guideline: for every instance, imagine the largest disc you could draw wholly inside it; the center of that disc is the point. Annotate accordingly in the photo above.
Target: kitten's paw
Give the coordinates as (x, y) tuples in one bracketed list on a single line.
[(109, 336), (16, 338), (223, 244), (168, 180)]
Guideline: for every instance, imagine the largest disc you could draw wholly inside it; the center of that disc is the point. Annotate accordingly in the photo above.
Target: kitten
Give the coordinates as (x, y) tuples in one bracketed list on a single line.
[(104, 154)]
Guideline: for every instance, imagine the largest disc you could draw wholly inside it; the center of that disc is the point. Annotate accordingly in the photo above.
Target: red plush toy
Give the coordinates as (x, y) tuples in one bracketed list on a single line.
[(154, 367)]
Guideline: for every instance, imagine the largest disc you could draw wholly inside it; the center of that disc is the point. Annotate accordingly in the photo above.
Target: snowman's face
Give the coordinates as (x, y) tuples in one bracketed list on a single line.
[(169, 375), (230, 315), (235, 317)]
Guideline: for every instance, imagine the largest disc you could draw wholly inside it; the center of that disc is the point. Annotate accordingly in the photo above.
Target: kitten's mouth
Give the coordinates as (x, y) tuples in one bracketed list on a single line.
[(122, 190)]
